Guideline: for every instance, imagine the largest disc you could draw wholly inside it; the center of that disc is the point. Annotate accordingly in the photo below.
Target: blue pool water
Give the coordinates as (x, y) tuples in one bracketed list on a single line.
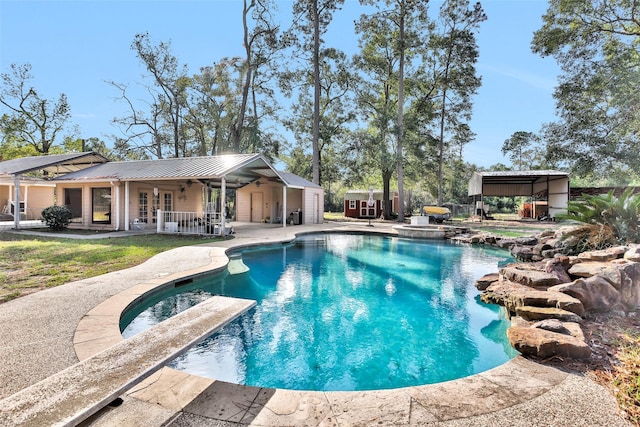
[(347, 312)]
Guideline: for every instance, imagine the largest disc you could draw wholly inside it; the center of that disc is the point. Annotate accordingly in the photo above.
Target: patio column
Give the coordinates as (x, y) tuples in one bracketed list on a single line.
[(16, 202), (223, 205), (284, 206), (126, 205)]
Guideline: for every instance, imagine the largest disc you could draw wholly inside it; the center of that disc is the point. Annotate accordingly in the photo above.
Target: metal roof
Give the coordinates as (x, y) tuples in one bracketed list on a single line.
[(54, 164), (238, 170), (294, 180)]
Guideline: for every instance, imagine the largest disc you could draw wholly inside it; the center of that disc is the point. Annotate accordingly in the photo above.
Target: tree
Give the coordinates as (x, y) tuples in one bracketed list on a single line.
[(596, 45), (311, 19), (31, 120), (144, 128), (521, 147), (259, 41), (390, 38), (171, 79), (454, 55), (336, 111)]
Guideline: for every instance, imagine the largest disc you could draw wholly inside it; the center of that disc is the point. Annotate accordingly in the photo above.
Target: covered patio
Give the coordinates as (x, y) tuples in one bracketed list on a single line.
[(177, 195)]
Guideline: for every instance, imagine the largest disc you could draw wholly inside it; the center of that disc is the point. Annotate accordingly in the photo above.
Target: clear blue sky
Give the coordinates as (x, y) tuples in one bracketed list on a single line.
[(75, 46)]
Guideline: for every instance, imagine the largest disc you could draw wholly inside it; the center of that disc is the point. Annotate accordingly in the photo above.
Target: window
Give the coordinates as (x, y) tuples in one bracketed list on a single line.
[(101, 205), (352, 204), (168, 205), (143, 205)]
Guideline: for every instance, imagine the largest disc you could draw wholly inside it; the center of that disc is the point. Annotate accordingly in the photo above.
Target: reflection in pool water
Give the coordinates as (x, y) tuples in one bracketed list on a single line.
[(347, 312)]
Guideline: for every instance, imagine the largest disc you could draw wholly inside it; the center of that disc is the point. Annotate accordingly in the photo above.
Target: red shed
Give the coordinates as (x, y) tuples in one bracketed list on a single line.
[(355, 203)]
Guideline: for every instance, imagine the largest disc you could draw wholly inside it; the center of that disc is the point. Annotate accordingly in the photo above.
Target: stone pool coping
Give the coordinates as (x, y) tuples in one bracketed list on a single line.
[(513, 383)]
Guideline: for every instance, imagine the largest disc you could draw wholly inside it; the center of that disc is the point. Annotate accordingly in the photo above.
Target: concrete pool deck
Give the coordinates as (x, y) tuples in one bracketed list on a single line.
[(45, 332)]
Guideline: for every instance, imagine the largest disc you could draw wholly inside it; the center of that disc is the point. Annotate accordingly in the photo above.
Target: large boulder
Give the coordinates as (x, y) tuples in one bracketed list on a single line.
[(595, 293), (604, 255), (629, 285), (543, 343), (633, 254), (532, 314), (529, 277), (588, 269), (486, 280), (559, 267), (512, 295)]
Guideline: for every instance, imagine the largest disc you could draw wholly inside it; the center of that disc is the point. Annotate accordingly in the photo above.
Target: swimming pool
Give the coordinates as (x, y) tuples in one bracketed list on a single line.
[(347, 312)]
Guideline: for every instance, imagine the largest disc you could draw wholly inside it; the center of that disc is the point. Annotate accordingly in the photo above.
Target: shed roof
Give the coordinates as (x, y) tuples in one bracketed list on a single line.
[(364, 195), (294, 180), (511, 183), (54, 164)]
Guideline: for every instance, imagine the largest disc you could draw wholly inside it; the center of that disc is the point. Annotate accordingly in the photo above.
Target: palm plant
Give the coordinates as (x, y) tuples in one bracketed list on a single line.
[(620, 215)]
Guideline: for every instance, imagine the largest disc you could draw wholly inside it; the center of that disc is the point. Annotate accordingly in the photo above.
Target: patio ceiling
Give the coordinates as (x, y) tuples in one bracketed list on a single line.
[(513, 183)]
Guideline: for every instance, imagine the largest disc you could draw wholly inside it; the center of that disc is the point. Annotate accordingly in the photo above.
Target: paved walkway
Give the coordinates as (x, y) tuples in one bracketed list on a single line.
[(37, 334)]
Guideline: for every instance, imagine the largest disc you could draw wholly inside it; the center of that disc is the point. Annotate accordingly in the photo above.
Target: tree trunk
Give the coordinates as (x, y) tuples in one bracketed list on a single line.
[(399, 150), (316, 92)]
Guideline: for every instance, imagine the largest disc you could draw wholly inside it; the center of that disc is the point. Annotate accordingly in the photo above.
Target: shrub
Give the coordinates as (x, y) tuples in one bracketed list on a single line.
[(56, 217), (614, 219)]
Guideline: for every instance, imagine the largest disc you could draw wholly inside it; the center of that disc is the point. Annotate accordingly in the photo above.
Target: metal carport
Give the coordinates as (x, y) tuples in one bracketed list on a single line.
[(552, 184)]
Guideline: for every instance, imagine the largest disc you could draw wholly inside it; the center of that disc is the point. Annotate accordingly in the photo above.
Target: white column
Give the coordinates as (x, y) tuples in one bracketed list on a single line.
[(223, 203), (159, 221), (126, 205), (16, 201), (284, 206)]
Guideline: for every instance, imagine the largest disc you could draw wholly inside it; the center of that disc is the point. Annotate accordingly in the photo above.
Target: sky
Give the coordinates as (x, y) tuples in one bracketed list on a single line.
[(76, 46)]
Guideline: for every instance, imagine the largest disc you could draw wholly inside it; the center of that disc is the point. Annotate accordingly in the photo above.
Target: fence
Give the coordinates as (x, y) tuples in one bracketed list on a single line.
[(199, 223)]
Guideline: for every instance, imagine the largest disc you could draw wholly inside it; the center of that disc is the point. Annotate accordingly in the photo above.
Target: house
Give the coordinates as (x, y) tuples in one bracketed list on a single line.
[(356, 203), (187, 194)]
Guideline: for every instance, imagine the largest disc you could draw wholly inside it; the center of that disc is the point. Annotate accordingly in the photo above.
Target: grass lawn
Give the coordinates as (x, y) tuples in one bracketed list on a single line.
[(31, 263)]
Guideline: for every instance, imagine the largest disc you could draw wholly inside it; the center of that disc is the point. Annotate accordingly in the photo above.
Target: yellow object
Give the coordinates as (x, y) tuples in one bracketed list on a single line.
[(436, 213)]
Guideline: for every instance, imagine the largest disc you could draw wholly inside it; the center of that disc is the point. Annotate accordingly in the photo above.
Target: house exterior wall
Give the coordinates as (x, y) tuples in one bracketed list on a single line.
[(309, 200), (313, 211), (34, 197), (189, 200), (38, 199)]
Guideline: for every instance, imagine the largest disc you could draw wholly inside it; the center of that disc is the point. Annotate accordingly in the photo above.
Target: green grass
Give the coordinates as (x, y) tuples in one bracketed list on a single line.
[(30, 263)]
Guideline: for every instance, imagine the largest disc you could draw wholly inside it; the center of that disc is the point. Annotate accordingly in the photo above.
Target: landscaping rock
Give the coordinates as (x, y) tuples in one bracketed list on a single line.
[(526, 241), (629, 285), (505, 243), (540, 247), (486, 280), (559, 266), (633, 254), (522, 253), (512, 295), (553, 325), (604, 255), (544, 344), (532, 278), (595, 293), (588, 269), (530, 313)]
